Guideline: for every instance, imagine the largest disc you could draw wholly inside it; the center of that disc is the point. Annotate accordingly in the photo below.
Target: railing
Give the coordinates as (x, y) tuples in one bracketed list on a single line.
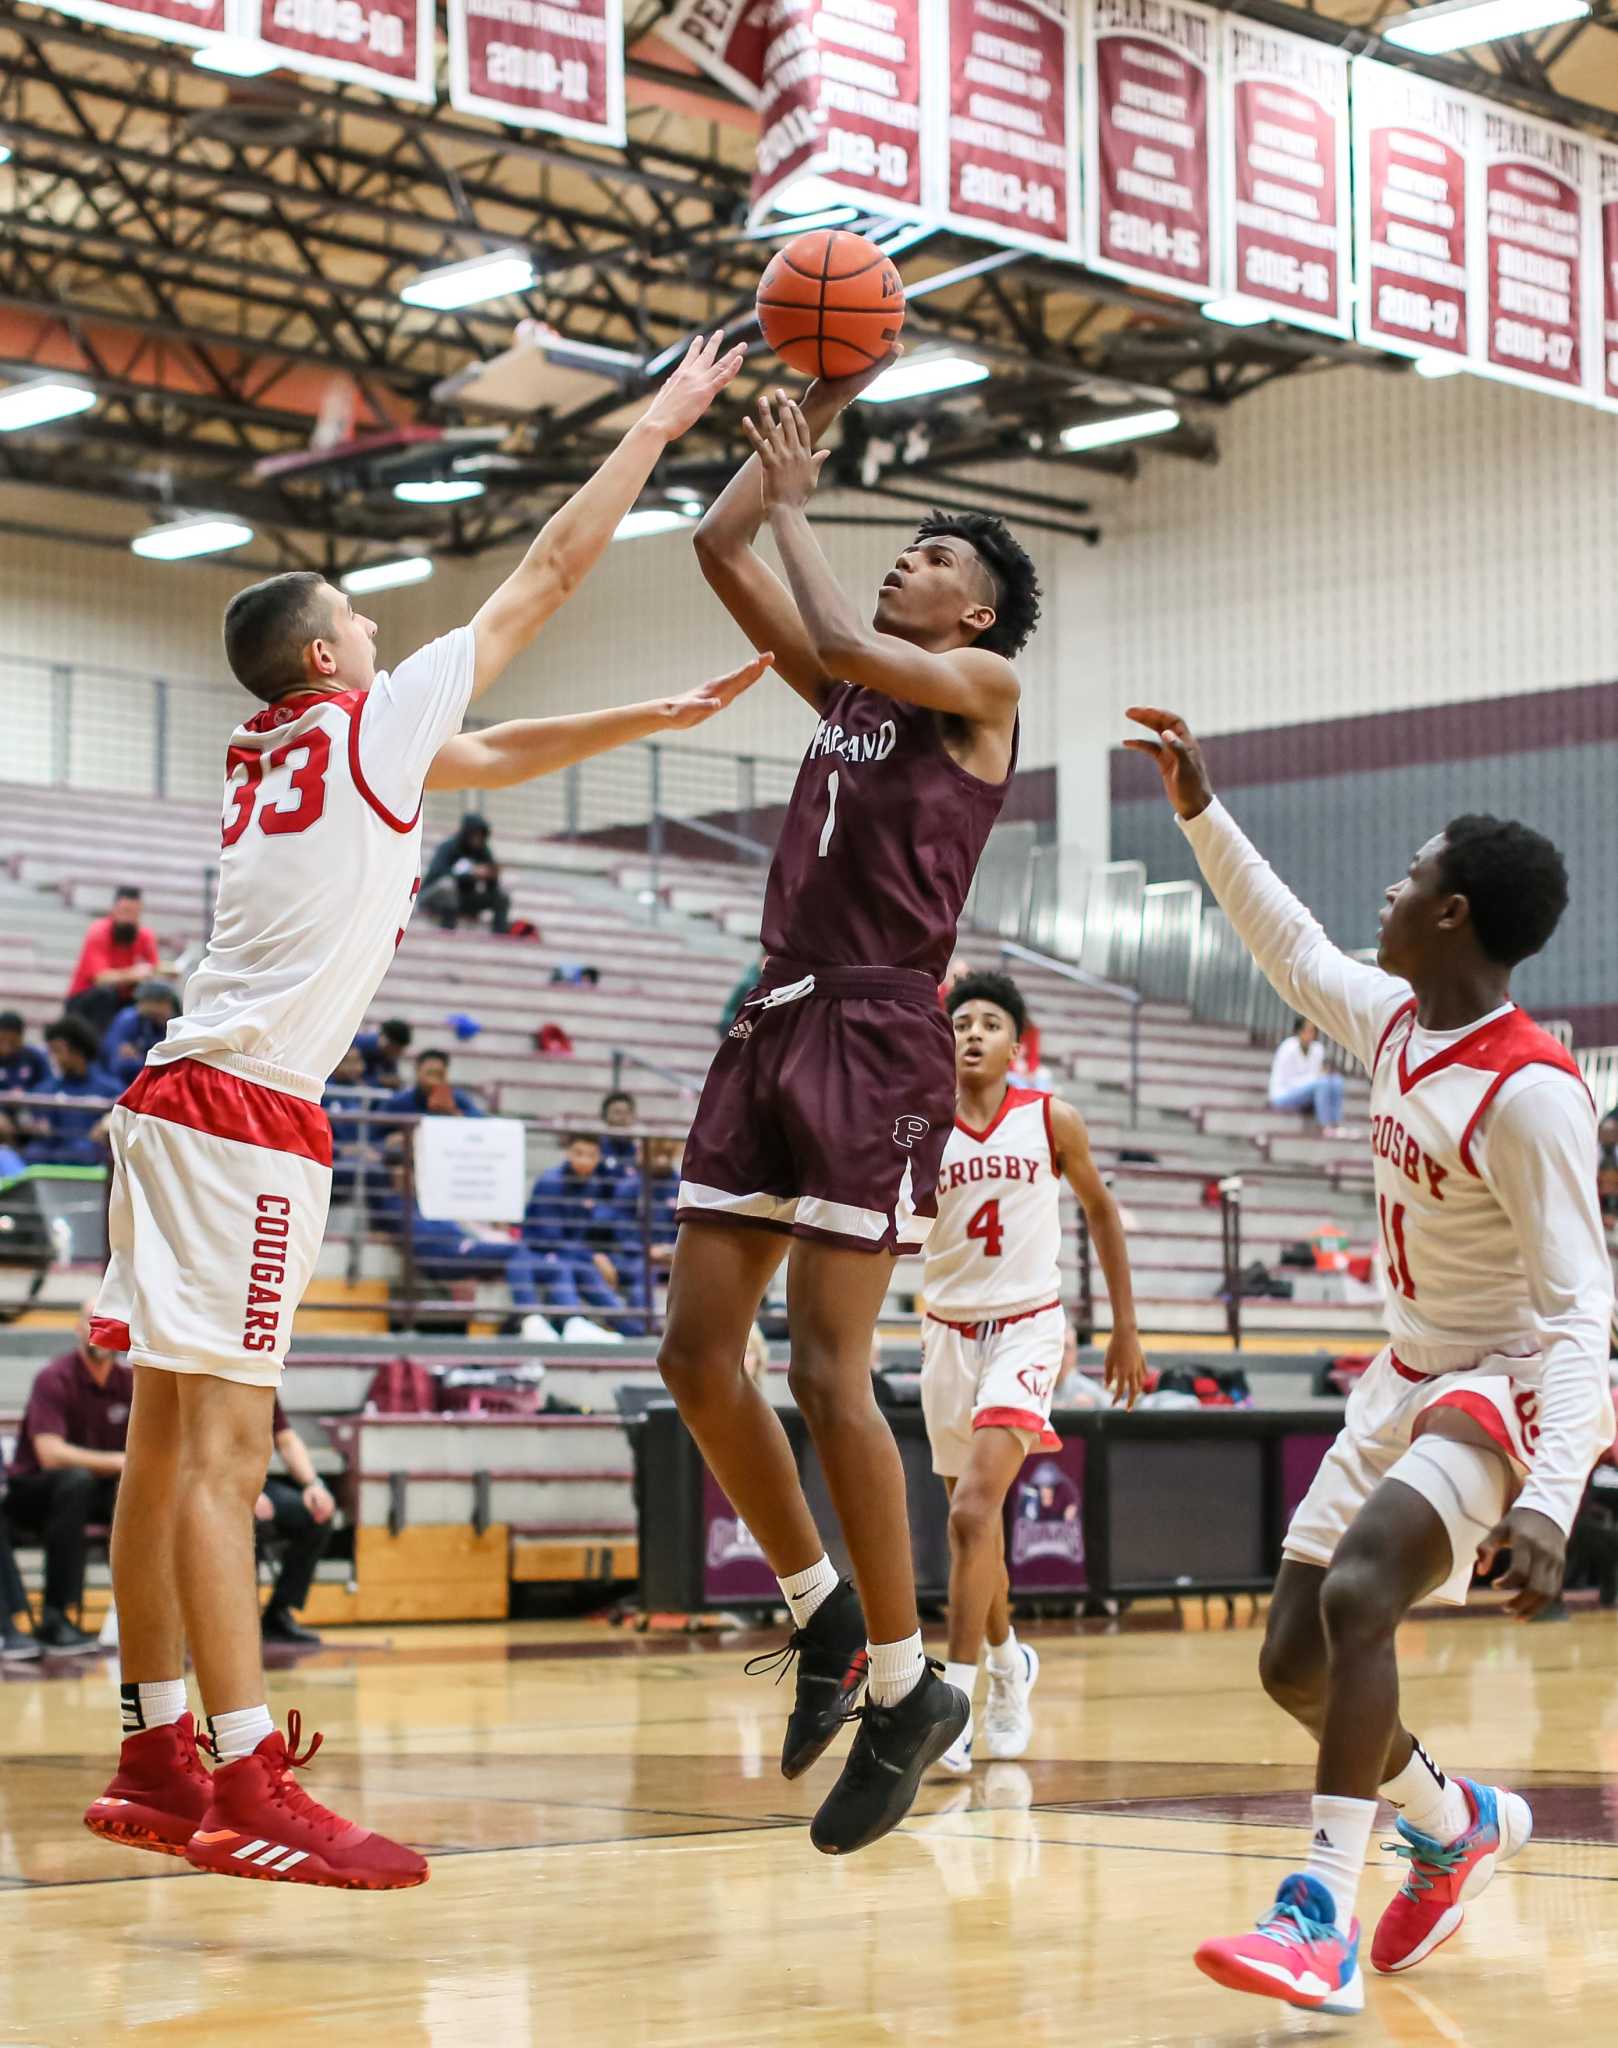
[(689, 1085), (1599, 1066), (1130, 997)]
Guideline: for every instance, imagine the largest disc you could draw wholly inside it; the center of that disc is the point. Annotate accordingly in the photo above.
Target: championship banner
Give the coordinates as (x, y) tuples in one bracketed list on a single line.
[(552, 64), (1286, 189), (1602, 382), (842, 99), (1535, 180), (168, 21), (1151, 144), (1011, 149), (726, 38), (385, 44), (1414, 145)]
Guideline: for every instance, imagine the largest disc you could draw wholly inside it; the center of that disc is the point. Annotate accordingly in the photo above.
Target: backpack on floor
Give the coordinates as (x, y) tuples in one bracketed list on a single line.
[(402, 1387)]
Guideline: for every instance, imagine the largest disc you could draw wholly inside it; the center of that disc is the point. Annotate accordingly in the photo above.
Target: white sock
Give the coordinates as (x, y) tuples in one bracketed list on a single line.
[(1005, 1659), (963, 1675), (805, 1592), (153, 1703), (1433, 1804), (896, 1669), (1342, 1833), (239, 1734)]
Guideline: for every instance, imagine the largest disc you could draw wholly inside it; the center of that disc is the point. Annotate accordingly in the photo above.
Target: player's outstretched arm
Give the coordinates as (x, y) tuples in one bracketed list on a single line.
[(741, 579), (574, 539), (522, 749), (1126, 1362), (1350, 1000), (968, 683)]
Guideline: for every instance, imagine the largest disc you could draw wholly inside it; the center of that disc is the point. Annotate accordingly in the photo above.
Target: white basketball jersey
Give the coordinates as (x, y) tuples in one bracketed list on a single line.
[(319, 867), (996, 1247), (1451, 1256)]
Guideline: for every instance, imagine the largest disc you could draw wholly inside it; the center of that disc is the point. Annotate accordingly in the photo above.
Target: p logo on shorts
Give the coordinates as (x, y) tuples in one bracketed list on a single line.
[(910, 1130)]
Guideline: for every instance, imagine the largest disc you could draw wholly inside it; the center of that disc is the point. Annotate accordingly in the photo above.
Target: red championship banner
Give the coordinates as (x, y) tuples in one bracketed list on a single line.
[(1011, 153), (1150, 144), (727, 38), (385, 44), (1418, 280), (1604, 381), (1286, 185), (842, 99), (1535, 215), (169, 21), (552, 64)]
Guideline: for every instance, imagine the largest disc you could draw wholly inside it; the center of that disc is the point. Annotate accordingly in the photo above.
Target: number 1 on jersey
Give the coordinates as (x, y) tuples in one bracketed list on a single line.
[(830, 825)]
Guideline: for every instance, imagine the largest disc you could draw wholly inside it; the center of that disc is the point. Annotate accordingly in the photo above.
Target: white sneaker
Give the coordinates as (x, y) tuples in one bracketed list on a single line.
[(957, 1759), (1008, 1726)]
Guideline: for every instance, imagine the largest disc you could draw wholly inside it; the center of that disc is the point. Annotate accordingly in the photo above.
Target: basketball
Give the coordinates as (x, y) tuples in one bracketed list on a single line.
[(830, 304)]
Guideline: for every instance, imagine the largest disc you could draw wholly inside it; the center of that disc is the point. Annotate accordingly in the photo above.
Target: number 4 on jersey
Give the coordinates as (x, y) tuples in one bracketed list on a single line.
[(985, 1227)]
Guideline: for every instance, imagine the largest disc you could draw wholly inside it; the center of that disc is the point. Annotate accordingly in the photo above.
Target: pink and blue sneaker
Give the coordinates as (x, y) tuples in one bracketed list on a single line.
[(1445, 1877), (1297, 1952)]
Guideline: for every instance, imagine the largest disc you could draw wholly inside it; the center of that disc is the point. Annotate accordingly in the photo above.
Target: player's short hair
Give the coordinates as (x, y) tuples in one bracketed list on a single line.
[(396, 1031), (984, 987), (267, 627), (11, 1020), (1011, 571), (1514, 881), (432, 1052), (75, 1032)]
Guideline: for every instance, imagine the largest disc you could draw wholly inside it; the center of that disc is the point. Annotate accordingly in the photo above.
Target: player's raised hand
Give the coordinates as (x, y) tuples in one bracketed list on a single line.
[(1178, 757), (834, 393), (1538, 1560), (697, 706), (786, 450), (695, 385), (1124, 1375)]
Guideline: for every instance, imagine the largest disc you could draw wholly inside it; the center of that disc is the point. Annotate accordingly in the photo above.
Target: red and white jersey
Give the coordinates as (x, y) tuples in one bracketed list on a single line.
[(319, 866), (996, 1248)]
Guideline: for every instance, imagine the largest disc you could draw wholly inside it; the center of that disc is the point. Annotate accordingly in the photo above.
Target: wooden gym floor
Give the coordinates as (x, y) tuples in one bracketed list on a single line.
[(619, 1861)]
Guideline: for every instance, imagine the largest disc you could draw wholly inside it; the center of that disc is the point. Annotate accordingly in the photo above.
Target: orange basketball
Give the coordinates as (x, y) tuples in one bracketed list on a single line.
[(830, 304)]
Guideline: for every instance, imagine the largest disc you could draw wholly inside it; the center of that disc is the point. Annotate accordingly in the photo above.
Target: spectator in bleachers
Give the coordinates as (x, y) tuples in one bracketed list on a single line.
[(118, 952), (23, 1067), (354, 1145), (451, 1250), (299, 1510), (648, 1205), (17, 1645), (619, 1113), (1607, 1165), (64, 1472), (575, 1227), (70, 1136), (382, 1050), (463, 879), (137, 1028), (1300, 1079), (433, 1094)]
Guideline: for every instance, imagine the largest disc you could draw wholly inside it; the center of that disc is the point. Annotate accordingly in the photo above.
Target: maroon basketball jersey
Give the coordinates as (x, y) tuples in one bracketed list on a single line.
[(880, 841)]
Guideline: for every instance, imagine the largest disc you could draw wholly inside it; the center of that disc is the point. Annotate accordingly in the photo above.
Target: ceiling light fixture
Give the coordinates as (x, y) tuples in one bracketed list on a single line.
[(649, 519), (1436, 365), (1133, 426), (1235, 311), (495, 275), (441, 490), (387, 575), (923, 377), (237, 57), (809, 195), (178, 540), (1458, 24), (42, 399)]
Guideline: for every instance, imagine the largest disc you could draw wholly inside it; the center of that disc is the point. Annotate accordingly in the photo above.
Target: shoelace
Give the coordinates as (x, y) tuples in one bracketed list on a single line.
[(1292, 1926), (779, 1661), (1432, 1857), (290, 1794), (1002, 1709)]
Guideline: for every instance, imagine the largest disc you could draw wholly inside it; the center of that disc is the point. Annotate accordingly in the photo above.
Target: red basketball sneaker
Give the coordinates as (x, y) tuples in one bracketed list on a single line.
[(262, 1823), (160, 1793)]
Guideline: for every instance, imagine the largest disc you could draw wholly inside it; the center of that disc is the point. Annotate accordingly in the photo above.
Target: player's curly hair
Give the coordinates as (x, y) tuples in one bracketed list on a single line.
[(1514, 881), (1011, 571), (986, 987), (267, 627)]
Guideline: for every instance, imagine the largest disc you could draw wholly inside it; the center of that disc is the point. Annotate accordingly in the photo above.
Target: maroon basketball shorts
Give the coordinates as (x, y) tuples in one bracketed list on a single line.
[(826, 1110)]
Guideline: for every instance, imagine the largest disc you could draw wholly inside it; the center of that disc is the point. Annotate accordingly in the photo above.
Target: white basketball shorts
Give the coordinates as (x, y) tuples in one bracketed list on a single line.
[(990, 1375), (217, 1210), (1380, 1425)]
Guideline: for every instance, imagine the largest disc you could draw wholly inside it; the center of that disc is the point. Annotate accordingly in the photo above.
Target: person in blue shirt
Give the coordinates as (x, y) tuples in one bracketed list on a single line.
[(619, 1115), (354, 1145), (647, 1203), (446, 1249), (69, 1135), (24, 1070), (383, 1049), (576, 1227), (432, 1094), (137, 1027)]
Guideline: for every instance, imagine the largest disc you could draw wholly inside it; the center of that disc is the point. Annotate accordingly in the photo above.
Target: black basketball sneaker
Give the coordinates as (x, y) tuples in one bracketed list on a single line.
[(893, 1747), (831, 1659)]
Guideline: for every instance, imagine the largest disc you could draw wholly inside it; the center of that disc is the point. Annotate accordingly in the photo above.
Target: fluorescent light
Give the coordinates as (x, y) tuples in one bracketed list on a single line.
[(1457, 24), (493, 276), (800, 224), (809, 195), (45, 398), (1439, 366), (1235, 311), (237, 57), (1132, 426), (650, 519), (387, 575), (208, 533), (5, 152), (921, 377), (447, 490), (683, 494)]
